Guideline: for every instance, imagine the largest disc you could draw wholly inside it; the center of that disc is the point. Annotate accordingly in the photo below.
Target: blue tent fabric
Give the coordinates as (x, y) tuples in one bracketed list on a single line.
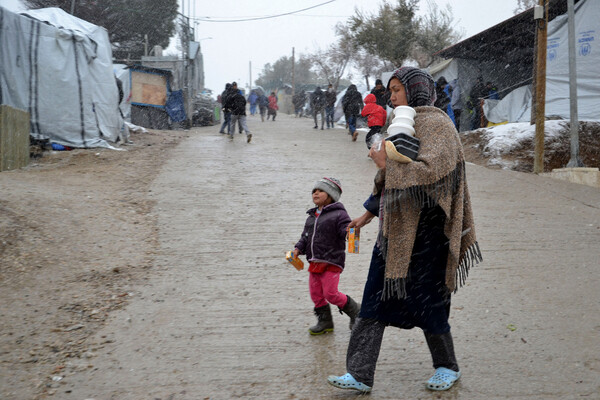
[(175, 107)]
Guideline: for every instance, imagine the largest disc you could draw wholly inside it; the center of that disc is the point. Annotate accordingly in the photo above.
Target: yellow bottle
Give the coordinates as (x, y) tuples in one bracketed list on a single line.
[(295, 261), (353, 241)]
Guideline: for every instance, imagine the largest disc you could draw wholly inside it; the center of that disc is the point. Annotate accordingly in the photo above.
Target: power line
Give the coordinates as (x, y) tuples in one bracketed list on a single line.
[(209, 19)]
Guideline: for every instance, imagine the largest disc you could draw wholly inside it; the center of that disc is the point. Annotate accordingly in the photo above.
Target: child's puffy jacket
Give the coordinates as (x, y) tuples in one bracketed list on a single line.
[(376, 113), (324, 238)]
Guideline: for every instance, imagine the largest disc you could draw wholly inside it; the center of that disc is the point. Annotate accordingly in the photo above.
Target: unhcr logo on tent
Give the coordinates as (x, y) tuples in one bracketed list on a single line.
[(585, 43)]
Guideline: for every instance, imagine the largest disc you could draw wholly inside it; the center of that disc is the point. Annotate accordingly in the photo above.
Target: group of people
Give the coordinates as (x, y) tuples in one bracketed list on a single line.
[(449, 99), (425, 246), (233, 105), (322, 104)]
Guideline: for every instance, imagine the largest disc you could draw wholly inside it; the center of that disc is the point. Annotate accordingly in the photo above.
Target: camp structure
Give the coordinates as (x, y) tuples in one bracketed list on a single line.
[(59, 69), (504, 55)]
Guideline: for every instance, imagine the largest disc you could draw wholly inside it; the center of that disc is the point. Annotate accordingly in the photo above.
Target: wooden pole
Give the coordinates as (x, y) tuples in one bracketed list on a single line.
[(540, 89)]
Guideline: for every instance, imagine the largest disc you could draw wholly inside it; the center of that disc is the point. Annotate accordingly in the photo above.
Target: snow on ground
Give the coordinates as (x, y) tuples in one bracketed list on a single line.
[(501, 140)]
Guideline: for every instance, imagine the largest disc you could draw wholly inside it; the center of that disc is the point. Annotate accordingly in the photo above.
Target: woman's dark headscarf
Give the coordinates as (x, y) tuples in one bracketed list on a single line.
[(419, 86)]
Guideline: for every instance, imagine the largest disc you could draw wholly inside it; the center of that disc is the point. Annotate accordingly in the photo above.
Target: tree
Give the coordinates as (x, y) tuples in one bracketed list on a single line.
[(390, 34), (331, 64), (524, 5), (434, 33), (127, 21), (274, 76)]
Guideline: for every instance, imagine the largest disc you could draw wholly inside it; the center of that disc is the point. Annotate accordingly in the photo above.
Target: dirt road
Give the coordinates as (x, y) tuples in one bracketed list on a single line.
[(211, 309)]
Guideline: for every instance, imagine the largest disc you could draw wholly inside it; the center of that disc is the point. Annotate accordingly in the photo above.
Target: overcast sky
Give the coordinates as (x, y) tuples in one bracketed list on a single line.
[(234, 45)]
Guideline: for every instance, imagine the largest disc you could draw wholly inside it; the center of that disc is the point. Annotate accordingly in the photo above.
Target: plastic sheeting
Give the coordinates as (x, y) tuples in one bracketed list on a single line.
[(516, 105), (587, 49), (59, 69)]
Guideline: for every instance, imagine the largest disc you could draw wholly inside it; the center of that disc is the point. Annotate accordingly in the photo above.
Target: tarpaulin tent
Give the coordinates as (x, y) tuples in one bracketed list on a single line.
[(59, 69), (503, 54)]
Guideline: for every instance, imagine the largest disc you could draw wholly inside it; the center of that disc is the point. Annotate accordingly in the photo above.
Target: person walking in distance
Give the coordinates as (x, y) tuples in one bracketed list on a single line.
[(237, 104), (317, 104), (330, 99), (426, 243), (352, 105), (226, 112), (273, 107), (299, 99), (323, 240), (263, 105)]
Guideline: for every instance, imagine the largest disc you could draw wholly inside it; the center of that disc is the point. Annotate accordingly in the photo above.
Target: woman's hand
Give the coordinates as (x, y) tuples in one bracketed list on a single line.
[(296, 253), (378, 154), (361, 221)]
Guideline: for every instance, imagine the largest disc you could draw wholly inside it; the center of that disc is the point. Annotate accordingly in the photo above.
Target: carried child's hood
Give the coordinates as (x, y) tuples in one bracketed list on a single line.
[(370, 98)]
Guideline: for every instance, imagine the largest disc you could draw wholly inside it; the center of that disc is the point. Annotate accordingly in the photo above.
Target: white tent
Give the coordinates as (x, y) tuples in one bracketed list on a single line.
[(587, 48), (59, 69), (516, 105)]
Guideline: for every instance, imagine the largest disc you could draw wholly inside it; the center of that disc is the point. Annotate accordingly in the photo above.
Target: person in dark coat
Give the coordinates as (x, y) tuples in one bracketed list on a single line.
[(317, 104), (323, 240), (380, 93), (426, 243), (477, 93), (263, 105), (330, 99), (237, 104), (226, 112), (299, 100), (352, 104)]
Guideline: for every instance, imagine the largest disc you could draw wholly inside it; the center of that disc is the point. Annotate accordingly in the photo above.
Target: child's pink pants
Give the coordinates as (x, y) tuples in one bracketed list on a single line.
[(324, 289)]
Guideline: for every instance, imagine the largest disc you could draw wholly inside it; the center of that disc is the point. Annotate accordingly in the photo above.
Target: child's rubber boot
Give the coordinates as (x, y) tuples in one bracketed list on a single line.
[(351, 309), (348, 382), (324, 321)]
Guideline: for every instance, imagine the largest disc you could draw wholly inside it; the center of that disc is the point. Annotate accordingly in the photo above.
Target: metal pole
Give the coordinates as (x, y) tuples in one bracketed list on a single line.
[(574, 161), (293, 71), (250, 74), (540, 92), (72, 7)]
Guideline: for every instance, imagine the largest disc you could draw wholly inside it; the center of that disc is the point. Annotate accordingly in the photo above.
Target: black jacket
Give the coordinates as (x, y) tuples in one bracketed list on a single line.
[(352, 102), (324, 239), (236, 103)]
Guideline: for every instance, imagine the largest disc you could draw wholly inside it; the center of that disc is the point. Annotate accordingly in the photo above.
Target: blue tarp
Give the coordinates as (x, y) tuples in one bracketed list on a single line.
[(175, 107)]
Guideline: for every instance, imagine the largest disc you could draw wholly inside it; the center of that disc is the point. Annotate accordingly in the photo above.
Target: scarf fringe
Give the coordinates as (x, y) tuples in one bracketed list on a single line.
[(394, 288), (471, 258), (426, 195)]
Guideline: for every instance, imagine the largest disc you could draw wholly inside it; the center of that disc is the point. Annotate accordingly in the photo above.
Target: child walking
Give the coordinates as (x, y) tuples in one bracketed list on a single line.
[(375, 114), (323, 241)]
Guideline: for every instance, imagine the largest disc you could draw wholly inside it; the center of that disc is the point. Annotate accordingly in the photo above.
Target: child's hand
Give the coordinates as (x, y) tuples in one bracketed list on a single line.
[(296, 253)]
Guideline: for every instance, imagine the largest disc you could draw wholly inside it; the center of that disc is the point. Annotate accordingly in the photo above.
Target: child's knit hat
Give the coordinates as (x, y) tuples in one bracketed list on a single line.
[(331, 186)]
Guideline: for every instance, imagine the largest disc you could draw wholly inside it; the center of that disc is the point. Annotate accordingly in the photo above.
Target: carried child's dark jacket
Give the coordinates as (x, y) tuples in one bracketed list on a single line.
[(324, 238)]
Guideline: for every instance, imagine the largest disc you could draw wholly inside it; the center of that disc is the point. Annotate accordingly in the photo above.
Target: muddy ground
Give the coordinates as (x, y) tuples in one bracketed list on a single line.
[(78, 235)]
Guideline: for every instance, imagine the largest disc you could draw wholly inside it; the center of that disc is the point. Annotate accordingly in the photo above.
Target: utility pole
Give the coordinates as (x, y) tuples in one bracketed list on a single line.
[(574, 162), (540, 84), (250, 74), (293, 72)]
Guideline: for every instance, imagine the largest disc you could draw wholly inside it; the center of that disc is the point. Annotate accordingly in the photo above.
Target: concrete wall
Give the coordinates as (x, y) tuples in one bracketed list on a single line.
[(582, 176)]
